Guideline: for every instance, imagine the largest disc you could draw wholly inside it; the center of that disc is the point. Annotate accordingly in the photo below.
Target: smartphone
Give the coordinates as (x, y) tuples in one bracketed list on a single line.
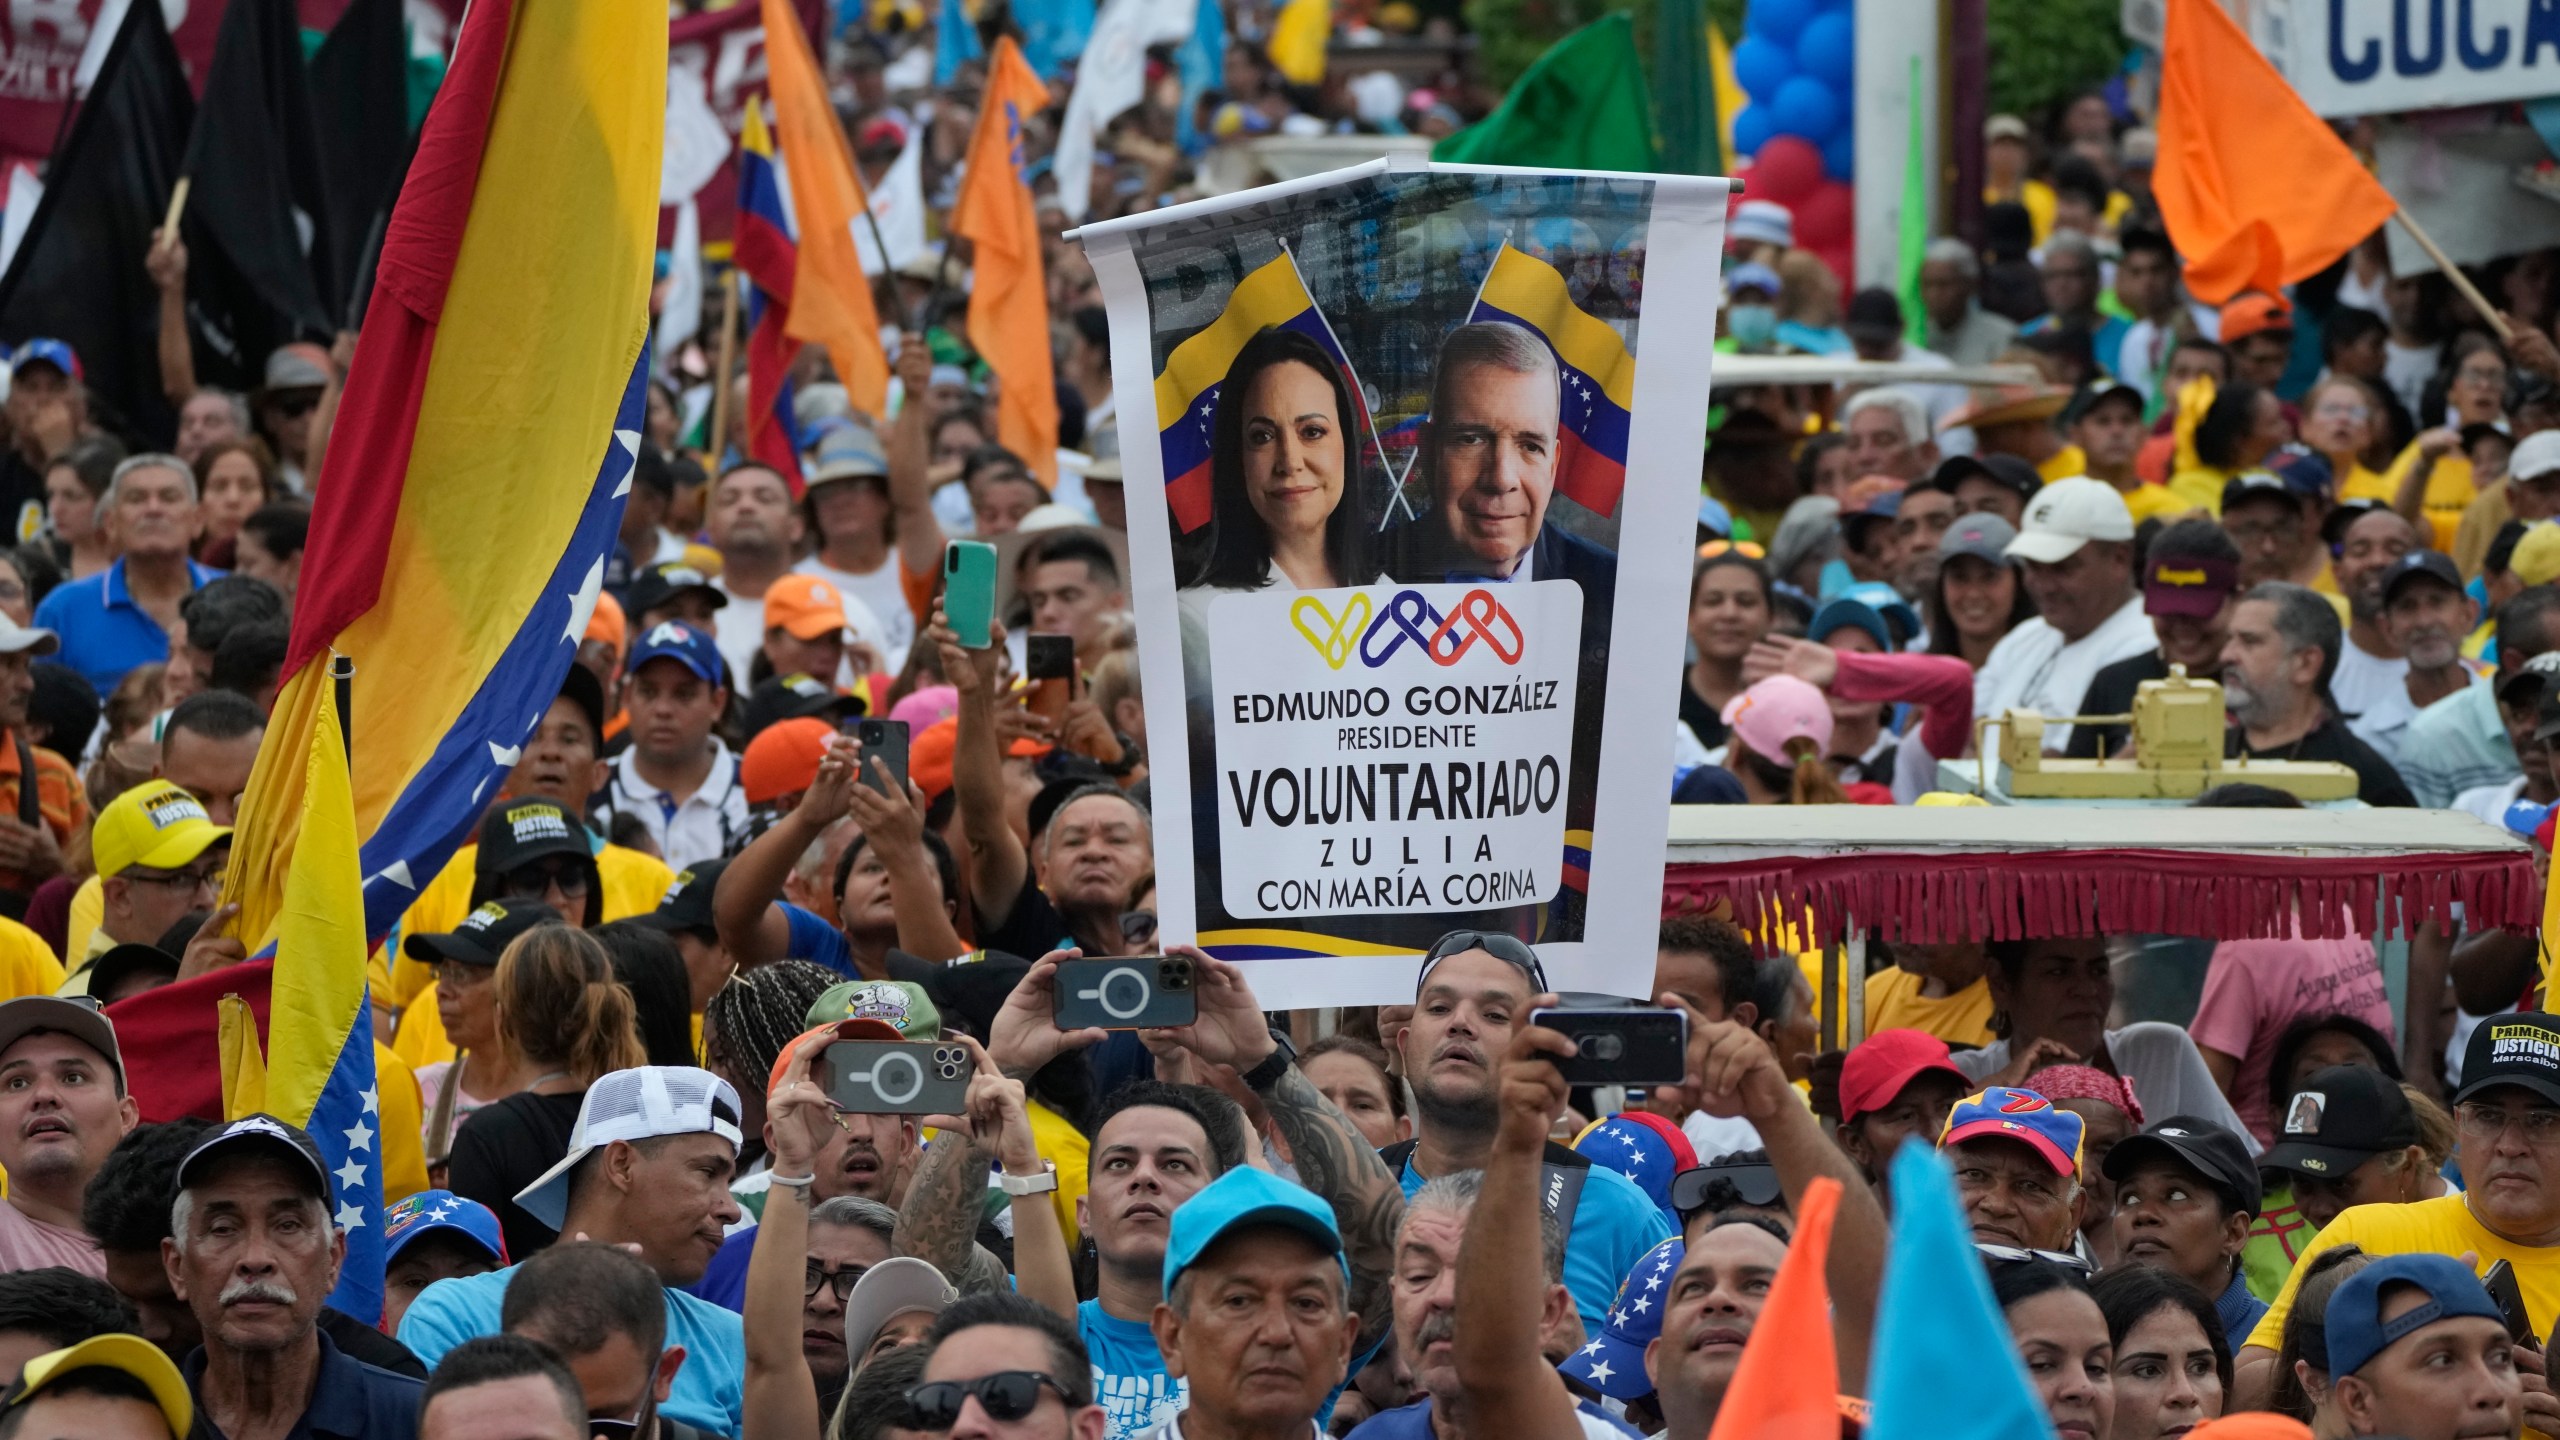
[(969, 591), (1135, 992), (886, 741), (1636, 1046), (1049, 664), (895, 1077), (2509, 1297)]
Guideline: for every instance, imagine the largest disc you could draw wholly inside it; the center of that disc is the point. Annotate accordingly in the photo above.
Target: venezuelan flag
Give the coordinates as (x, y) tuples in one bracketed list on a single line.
[(830, 296), (476, 475), (1599, 375), (770, 259), (1275, 294)]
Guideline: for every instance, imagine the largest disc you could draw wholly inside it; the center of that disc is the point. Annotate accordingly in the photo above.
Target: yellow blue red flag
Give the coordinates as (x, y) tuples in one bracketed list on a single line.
[(769, 254), (1598, 374)]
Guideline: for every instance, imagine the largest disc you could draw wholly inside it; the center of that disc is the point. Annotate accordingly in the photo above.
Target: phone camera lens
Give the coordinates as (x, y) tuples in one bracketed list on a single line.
[(1606, 1047)]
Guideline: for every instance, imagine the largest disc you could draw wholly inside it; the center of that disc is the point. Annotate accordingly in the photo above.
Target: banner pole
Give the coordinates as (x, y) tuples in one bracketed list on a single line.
[(721, 381), (2453, 273)]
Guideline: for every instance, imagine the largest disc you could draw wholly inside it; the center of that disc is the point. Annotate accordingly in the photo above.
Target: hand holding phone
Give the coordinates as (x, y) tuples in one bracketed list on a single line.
[(1636, 1046), (896, 1077), (969, 591), (1049, 664), (886, 742), (2508, 1295)]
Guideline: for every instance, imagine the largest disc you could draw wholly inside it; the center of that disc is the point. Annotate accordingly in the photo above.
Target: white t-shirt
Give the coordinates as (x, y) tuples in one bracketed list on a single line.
[(2407, 369), (739, 629), (2366, 681), (2033, 668)]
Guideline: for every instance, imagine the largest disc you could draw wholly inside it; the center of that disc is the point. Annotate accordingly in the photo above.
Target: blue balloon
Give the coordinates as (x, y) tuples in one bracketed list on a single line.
[(1828, 50), (1751, 129), (1780, 20), (1805, 106), (1762, 65), (1840, 154)]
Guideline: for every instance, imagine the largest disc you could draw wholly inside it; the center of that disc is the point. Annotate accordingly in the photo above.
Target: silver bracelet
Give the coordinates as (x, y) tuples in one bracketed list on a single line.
[(792, 1182)]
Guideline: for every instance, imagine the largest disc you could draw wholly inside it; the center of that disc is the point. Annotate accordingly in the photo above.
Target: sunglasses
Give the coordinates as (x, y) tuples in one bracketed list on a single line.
[(1705, 1187), (1509, 949), (1006, 1396), (2012, 1255), (528, 882), (1747, 549), (1138, 927)]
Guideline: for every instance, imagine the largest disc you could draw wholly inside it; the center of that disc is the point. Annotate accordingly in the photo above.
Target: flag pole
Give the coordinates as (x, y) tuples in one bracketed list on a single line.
[(2453, 273), (342, 675), (177, 207), (720, 381)]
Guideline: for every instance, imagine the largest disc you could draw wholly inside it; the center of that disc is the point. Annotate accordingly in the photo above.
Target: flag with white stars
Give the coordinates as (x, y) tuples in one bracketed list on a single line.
[(1593, 366)]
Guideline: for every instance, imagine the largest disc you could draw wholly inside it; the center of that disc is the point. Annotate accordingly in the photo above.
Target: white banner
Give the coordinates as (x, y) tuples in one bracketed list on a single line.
[(2365, 57)]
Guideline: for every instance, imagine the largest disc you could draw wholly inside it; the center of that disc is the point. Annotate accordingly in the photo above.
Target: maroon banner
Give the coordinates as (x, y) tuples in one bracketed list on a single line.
[(715, 61)]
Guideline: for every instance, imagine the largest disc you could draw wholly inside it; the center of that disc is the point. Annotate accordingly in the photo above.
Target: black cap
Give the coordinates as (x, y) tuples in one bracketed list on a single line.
[(264, 1133), (2531, 679), (581, 688), (2006, 471), (2251, 485), (686, 907), (969, 990), (658, 586), (2334, 525), (1873, 313), (2414, 564), (2201, 1146), (2521, 1049), (2339, 1119), (120, 966), (2098, 392), (794, 697), (483, 935), (518, 832)]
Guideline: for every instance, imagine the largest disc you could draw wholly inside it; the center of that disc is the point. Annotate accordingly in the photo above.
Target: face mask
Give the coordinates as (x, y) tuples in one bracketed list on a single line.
[(1751, 325)]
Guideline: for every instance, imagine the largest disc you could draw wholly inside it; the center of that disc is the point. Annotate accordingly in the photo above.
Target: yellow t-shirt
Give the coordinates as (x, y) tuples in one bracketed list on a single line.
[(1064, 1146), (1894, 1002), (2146, 501), (2442, 1226), (2064, 463), (88, 912), (2200, 488), (2449, 492), (27, 966)]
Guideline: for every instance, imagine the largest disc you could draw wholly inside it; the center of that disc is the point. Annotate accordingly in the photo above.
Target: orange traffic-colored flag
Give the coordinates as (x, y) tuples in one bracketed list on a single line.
[(2237, 145), (830, 296), (1008, 300), (1788, 1382)]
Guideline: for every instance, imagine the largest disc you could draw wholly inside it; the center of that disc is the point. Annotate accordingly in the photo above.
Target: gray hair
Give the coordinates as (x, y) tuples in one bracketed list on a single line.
[(1954, 252), (1906, 412), (2071, 242), (855, 1213), (1456, 1194), (183, 1208), (1497, 343), (1146, 817), (150, 460), (232, 400), (2304, 621)]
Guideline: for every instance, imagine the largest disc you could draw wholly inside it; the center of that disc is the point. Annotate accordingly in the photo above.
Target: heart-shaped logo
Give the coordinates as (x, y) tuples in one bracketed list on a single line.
[(1332, 636)]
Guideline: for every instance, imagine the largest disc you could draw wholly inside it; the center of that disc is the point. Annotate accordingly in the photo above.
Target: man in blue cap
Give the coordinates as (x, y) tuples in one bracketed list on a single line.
[(1256, 1313), (2417, 1350), (679, 779)]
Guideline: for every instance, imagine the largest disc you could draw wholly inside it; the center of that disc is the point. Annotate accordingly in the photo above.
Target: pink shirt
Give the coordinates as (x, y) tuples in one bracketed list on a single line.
[(30, 1244), (2256, 988)]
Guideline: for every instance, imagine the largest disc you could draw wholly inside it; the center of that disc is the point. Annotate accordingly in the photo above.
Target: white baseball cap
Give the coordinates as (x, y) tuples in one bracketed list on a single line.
[(886, 1291), (2068, 514), (642, 1103), (2537, 455), (16, 638)]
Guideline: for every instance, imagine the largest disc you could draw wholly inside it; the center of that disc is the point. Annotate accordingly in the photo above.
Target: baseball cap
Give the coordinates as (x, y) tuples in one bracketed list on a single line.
[(2097, 393), (795, 696), (2536, 560), (2021, 1115), (417, 1215), (902, 1005), (2343, 516), (1842, 612), (483, 935), (294, 367), (2251, 1424), (1612, 1362), (686, 907), (2339, 1119), (1884, 1064), (1985, 537), (2306, 472), (2003, 127), (849, 451), (260, 1132), (2416, 563), (2193, 586), (122, 964), (1645, 1148), (1873, 314), (154, 824), (2006, 471), (2252, 485), (806, 606), (519, 832), (1762, 222), (2537, 455), (2068, 514), (2201, 1146), (2253, 312), (580, 687), (642, 1103), (1240, 1198), (658, 586), (1777, 710), (2520, 1049), (675, 640), (1752, 275), (2529, 678), (30, 1014), (783, 759), (888, 1290), (127, 1354), (17, 639), (46, 351), (2357, 1331)]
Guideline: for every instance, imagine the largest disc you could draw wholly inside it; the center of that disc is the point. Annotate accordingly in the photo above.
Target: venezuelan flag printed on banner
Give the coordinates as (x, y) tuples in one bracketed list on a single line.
[(769, 256), (830, 296), (1274, 295), (477, 471), (1598, 374), (1009, 298)]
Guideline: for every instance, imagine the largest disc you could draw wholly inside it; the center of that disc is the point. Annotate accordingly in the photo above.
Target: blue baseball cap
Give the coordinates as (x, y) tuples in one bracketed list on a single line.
[(1841, 612), (427, 1211), (1612, 1362), (2020, 1115), (675, 640), (44, 351), (1645, 1148), (2357, 1331), (1241, 1198)]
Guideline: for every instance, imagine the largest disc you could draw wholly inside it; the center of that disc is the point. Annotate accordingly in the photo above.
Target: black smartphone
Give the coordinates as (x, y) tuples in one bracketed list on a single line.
[(2501, 1285), (885, 741), (1639, 1045), (1135, 992), (895, 1077), (1049, 663)]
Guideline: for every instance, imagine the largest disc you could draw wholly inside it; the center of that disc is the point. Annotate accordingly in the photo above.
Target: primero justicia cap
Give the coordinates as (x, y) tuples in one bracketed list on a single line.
[(641, 1103), (2521, 1049)]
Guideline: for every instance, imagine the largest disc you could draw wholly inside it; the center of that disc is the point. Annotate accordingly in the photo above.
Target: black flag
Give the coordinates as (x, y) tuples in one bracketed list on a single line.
[(78, 274), (257, 232), (359, 96)]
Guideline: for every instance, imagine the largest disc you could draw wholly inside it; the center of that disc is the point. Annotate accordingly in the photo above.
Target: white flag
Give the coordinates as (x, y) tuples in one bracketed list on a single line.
[(898, 206), (681, 318), (1111, 78)]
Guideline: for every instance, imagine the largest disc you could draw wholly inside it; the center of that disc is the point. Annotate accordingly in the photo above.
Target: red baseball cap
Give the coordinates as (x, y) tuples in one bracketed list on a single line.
[(1885, 1063)]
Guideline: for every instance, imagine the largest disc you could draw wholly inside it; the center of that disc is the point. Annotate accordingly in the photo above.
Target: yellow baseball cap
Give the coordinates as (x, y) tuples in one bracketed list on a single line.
[(130, 1354), (2536, 560), (155, 824)]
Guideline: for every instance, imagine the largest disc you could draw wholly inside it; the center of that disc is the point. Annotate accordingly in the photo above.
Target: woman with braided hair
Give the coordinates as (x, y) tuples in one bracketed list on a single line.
[(745, 1027)]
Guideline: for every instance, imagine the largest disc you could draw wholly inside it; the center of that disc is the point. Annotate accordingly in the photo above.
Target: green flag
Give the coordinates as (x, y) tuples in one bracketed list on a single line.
[(1580, 106), (1915, 219), (1684, 89)]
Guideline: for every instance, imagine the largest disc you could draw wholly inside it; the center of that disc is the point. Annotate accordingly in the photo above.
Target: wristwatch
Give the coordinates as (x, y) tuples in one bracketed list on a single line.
[(1267, 1074), (1130, 755), (1021, 1185)]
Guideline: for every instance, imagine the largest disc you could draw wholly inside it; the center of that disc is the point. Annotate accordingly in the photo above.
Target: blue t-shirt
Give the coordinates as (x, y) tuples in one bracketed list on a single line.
[(1129, 1379), (1413, 1422), (709, 1393), (1614, 1224), (815, 940), (104, 633), (724, 1280), (348, 1397)]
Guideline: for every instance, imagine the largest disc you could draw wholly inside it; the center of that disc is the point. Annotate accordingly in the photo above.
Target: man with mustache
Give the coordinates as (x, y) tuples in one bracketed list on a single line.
[(648, 1167), (2276, 667), (63, 1107), (2017, 1161), (252, 1251), (2427, 613)]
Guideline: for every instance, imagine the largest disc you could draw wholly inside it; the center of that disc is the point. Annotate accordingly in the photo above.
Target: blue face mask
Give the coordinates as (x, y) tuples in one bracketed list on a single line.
[(1751, 326)]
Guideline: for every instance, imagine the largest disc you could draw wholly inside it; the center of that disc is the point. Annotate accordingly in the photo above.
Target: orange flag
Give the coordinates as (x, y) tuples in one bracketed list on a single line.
[(1788, 1384), (2237, 145), (1009, 300), (830, 296)]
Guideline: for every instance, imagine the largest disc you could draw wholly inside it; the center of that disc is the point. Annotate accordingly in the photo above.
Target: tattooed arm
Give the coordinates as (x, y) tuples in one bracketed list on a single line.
[(938, 1224)]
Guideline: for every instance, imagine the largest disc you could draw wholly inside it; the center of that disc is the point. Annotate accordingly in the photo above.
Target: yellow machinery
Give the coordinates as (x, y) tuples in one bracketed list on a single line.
[(2178, 733)]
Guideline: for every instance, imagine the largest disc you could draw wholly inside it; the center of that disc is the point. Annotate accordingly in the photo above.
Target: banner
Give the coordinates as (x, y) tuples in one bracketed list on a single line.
[(715, 65), (1412, 484), (2364, 58)]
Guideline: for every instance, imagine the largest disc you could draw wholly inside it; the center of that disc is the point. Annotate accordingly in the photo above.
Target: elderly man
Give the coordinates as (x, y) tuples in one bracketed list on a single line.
[(119, 618), (2017, 1161), (2275, 677), (2417, 1350), (253, 1252), (2428, 613), (1950, 291), (2076, 560), (2460, 742), (1256, 1318), (63, 1107), (1888, 435)]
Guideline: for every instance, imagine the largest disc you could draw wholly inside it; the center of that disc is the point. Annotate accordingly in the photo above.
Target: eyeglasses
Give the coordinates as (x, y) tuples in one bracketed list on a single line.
[(1706, 1187), (180, 882), (530, 881), (2012, 1255), (2487, 1122), (840, 1280), (1138, 927), (297, 405), (1509, 949), (2252, 532), (1747, 549), (1007, 1395), (636, 1427)]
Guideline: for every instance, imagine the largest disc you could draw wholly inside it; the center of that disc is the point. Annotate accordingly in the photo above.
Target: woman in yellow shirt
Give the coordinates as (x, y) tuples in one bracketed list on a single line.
[(2431, 482), (1939, 989), (2223, 432)]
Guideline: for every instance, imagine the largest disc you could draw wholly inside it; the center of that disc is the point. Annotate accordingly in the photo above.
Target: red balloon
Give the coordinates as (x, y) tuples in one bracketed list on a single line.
[(1843, 260), (1788, 169), (1827, 217)]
